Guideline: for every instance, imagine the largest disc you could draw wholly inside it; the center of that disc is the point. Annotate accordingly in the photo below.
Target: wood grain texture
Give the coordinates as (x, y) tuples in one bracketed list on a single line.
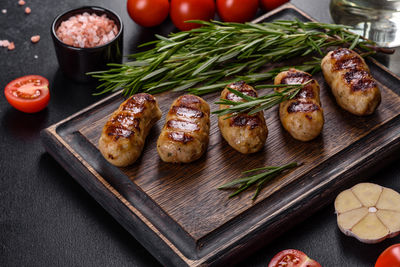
[(179, 205)]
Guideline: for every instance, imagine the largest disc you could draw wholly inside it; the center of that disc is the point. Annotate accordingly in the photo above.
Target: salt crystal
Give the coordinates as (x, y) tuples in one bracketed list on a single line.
[(11, 46), (35, 38), (87, 30), (35, 56), (4, 11), (6, 43)]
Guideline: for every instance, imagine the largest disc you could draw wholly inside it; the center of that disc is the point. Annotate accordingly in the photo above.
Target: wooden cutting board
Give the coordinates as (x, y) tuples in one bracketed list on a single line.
[(175, 210)]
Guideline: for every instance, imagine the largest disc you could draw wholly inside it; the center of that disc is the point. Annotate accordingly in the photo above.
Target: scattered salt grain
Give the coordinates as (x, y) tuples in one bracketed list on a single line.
[(21, 2), (35, 39), (11, 46), (87, 30), (28, 10), (4, 43), (35, 56), (4, 11)]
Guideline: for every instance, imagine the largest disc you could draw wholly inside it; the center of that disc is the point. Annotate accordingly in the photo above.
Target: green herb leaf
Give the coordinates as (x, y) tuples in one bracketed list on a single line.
[(257, 179), (220, 50)]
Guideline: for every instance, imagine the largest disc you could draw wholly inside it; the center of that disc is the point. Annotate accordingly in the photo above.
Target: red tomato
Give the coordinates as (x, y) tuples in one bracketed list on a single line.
[(237, 10), (272, 4), (29, 93), (389, 257), (292, 258), (148, 13), (183, 10)]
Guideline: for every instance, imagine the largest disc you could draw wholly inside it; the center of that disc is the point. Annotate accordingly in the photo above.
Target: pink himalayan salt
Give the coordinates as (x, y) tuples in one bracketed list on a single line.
[(87, 30), (21, 2), (28, 10), (35, 39), (11, 46), (4, 43)]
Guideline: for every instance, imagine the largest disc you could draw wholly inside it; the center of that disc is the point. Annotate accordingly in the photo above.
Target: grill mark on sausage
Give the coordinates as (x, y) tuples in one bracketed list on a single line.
[(302, 106), (117, 131), (352, 75), (188, 100), (122, 125), (359, 80), (136, 103), (126, 121), (306, 92), (182, 125), (242, 87), (233, 97), (238, 84), (363, 84), (340, 52), (186, 111), (245, 120), (180, 137), (143, 97), (344, 63), (132, 106), (295, 77)]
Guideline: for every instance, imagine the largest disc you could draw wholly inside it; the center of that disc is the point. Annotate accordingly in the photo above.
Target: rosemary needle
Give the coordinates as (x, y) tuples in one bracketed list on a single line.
[(205, 59), (257, 179), (256, 104)]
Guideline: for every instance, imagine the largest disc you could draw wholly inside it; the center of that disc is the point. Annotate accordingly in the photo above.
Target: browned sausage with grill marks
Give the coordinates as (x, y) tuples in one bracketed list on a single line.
[(349, 77), (123, 136), (301, 116), (245, 133), (184, 137)]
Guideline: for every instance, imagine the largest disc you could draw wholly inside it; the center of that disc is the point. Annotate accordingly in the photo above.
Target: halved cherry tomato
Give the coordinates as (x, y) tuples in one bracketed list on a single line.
[(237, 10), (272, 4), (292, 258), (389, 257), (183, 10), (148, 13), (29, 93)]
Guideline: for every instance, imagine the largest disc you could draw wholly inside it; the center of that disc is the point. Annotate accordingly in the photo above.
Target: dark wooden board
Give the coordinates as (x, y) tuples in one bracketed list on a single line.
[(175, 210)]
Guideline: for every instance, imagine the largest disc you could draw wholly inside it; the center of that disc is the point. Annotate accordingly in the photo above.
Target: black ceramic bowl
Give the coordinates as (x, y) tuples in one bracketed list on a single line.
[(75, 62)]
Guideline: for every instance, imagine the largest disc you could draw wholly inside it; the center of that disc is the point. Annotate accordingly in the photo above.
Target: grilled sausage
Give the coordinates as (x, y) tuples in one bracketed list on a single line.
[(245, 133), (301, 116), (122, 139), (184, 137), (351, 82)]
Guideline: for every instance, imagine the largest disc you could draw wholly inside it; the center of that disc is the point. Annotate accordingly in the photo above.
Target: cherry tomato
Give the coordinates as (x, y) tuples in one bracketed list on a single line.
[(292, 258), (389, 257), (29, 93), (148, 13), (272, 4), (183, 10), (237, 10)]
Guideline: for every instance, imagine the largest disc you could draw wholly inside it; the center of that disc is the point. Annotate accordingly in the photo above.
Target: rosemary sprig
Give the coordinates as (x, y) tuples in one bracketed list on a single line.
[(256, 104), (205, 59), (257, 179)]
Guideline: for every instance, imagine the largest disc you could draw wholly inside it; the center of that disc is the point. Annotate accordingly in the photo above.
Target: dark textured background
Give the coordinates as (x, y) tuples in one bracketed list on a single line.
[(47, 219)]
